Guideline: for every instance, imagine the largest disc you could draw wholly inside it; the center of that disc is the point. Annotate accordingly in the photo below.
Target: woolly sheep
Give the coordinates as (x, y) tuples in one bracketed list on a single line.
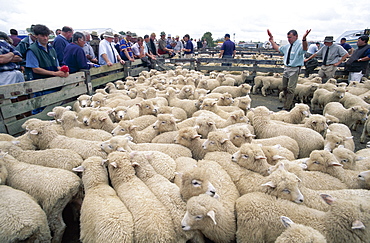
[(21, 218), (298, 233), (82, 102), (239, 79), (211, 105), (36, 181), (275, 153), (365, 177), (350, 100), (258, 81), (258, 215), (177, 112), (235, 91), (271, 83), (101, 120), (112, 221), (58, 111), (338, 135), (304, 92), (168, 194), (189, 138), (294, 116), (148, 213), (45, 137), (350, 160), (350, 116), (322, 160), (55, 158), (213, 219), (218, 141), (322, 96), (243, 103), (98, 100), (307, 139), (365, 131)]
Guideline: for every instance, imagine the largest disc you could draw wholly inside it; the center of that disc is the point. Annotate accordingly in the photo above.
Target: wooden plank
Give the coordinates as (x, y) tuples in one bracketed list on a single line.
[(105, 68), (105, 79)]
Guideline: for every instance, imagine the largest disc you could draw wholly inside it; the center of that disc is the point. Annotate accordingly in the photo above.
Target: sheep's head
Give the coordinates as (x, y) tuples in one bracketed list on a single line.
[(186, 136), (216, 141), (117, 143), (196, 182), (322, 160), (251, 157)]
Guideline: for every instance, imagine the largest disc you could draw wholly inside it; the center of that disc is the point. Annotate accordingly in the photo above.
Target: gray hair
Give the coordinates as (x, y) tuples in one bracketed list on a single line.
[(76, 36)]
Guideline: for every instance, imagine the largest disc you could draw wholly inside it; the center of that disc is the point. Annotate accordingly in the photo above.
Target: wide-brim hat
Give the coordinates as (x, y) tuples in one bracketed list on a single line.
[(94, 33), (30, 30), (108, 34), (4, 36), (128, 33), (329, 39), (163, 33)]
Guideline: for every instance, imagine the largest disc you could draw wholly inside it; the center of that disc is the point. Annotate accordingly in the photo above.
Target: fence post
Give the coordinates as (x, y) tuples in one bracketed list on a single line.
[(88, 84)]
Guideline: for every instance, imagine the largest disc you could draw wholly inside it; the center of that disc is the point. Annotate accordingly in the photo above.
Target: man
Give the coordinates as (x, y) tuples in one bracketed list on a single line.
[(179, 46), (94, 43), (358, 63), (293, 61), (42, 57), (138, 48), (227, 49), (151, 59), (162, 43), (108, 55), (74, 55), (14, 37), (153, 46), (89, 52), (346, 46), (58, 31), (332, 55), (189, 47), (23, 46), (9, 57), (125, 47), (312, 63), (61, 41)]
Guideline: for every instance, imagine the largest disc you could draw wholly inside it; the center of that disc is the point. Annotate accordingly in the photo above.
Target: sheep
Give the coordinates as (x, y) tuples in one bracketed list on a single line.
[(211, 105), (98, 100), (316, 122), (122, 143), (23, 141), (298, 233), (211, 84), (101, 120), (349, 117), (204, 125), (304, 92), (239, 79), (190, 106), (294, 116), (140, 123), (148, 213), (274, 153), (350, 160), (218, 141), (36, 181), (365, 177), (188, 137), (103, 215), (225, 99), (235, 91), (21, 218), (316, 180), (58, 111), (213, 219), (271, 83), (365, 132), (84, 115), (186, 92), (322, 160), (82, 102), (338, 134), (55, 158), (162, 163), (177, 112), (322, 96), (243, 103), (168, 194), (74, 129), (306, 138), (258, 81), (258, 215)]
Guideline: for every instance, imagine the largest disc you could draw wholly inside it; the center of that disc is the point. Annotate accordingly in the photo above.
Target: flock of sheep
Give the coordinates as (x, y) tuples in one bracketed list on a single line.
[(179, 156)]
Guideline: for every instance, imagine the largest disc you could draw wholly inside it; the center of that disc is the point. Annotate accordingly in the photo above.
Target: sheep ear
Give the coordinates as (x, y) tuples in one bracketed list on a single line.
[(104, 161), (34, 132), (78, 169), (327, 198), (224, 140), (212, 215), (114, 164), (16, 142), (52, 114), (335, 163), (179, 174), (348, 138), (120, 149), (135, 164), (269, 184), (357, 224), (287, 222)]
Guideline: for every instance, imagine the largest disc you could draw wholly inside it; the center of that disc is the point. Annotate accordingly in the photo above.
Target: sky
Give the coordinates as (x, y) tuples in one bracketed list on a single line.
[(244, 20)]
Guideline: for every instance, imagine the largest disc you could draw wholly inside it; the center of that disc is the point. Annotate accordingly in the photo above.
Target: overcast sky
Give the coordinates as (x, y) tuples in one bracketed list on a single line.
[(247, 19)]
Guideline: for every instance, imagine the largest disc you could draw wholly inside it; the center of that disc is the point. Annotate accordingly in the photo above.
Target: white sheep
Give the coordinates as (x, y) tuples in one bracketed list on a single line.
[(100, 203), (55, 158), (338, 135), (298, 233), (306, 138), (21, 218), (258, 218), (235, 91), (350, 160), (349, 117), (211, 217), (239, 79), (295, 116), (189, 138), (36, 181), (322, 96), (304, 92), (365, 177), (350, 100), (190, 106), (148, 213), (271, 83)]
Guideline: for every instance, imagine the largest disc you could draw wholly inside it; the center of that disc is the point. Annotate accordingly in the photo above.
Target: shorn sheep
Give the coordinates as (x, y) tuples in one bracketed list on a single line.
[(152, 221), (103, 214)]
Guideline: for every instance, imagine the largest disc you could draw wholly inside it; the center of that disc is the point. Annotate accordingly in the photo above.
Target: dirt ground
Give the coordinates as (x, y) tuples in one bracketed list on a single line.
[(272, 102)]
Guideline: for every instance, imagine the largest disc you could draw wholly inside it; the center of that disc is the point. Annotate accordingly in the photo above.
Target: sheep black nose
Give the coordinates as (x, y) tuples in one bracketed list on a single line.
[(182, 226), (213, 192)]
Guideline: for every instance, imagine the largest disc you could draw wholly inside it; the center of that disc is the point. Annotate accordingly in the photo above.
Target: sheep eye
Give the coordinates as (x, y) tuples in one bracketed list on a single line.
[(316, 162), (286, 191), (245, 156), (344, 160), (212, 142), (122, 129), (196, 183), (110, 146), (198, 217)]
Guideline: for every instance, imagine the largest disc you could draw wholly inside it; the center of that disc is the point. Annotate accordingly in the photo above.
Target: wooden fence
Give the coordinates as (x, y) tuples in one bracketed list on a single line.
[(16, 100)]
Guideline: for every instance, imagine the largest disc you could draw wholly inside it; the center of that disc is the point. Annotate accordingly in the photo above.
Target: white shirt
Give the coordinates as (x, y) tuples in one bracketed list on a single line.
[(312, 49), (106, 47)]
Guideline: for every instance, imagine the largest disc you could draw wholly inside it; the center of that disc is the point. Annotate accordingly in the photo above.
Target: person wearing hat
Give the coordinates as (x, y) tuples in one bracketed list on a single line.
[(125, 48), (162, 43), (293, 61), (61, 41), (22, 48), (227, 50), (108, 55), (94, 43), (358, 63), (9, 59), (332, 55)]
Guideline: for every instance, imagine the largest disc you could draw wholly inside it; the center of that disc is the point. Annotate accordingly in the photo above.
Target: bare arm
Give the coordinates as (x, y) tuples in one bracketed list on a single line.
[(8, 57), (271, 39), (304, 40), (50, 73)]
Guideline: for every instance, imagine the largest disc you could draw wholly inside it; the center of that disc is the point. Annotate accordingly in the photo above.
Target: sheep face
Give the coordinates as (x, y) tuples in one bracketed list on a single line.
[(165, 123), (195, 182), (365, 176), (346, 157), (334, 140), (117, 143), (322, 160), (251, 157), (84, 100)]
